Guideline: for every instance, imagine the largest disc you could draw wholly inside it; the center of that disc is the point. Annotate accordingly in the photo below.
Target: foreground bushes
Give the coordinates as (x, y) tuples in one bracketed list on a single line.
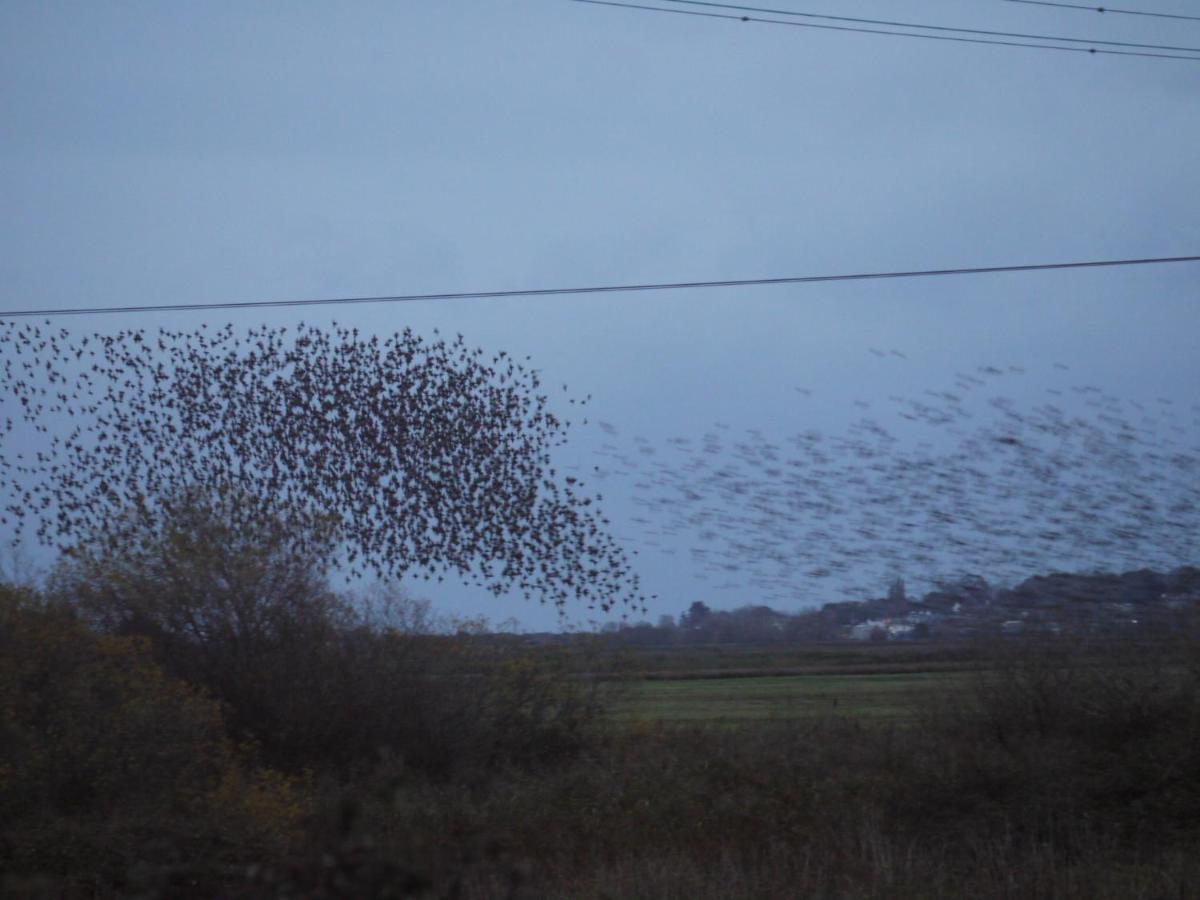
[(109, 767), (1055, 734), (317, 680), (1059, 773), (427, 764), (117, 773)]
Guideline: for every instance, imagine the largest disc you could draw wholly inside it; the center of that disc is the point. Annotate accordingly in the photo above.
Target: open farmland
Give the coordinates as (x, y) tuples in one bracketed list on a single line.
[(745, 683), (830, 658), (773, 697)]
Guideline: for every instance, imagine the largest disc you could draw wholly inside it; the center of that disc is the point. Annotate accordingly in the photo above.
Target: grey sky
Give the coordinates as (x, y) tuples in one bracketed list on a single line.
[(227, 151)]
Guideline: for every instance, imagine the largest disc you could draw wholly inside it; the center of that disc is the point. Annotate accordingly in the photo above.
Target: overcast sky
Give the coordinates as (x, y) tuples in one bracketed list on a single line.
[(173, 153)]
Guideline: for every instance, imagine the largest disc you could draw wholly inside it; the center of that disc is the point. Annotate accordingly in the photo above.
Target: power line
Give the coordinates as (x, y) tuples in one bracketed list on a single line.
[(1109, 9), (601, 289), (892, 24), (859, 30)]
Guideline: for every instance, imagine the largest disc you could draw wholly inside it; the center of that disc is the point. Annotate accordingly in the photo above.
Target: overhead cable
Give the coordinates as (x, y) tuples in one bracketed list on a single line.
[(600, 289), (860, 30), (1109, 9), (940, 28)]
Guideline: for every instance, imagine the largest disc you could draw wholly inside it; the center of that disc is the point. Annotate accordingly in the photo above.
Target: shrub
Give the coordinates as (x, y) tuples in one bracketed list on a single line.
[(317, 680), (1055, 734), (108, 766)]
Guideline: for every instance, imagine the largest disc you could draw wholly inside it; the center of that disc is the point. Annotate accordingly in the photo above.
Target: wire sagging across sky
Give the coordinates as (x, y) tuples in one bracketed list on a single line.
[(960, 37), (947, 28), (601, 289), (1108, 9)]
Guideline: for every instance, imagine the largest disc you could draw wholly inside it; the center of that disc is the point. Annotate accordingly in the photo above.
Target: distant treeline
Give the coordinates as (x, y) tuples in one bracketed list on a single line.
[(965, 607)]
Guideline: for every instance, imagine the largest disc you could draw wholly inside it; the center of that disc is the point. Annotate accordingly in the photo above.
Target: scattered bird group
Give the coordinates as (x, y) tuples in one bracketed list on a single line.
[(955, 482)]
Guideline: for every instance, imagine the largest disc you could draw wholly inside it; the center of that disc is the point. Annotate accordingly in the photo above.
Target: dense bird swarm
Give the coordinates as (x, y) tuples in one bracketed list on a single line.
[(957, 482), (428, 457), (416, 456)]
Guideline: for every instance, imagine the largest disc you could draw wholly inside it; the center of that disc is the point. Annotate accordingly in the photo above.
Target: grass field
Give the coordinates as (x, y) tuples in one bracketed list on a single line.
[(890, 697), (747, 683), (842, 658)]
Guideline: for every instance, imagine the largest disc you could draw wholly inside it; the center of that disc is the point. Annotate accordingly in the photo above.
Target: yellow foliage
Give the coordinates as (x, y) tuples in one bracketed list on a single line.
[(104, 758), (261, 805)]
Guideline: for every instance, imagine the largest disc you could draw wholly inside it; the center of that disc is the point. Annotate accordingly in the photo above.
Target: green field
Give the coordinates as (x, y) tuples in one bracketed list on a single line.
[(744, 683), (747, 683), (887, 697), (844, 658)]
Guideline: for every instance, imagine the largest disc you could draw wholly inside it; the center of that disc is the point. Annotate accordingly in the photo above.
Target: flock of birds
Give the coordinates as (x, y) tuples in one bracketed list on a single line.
[(424, 457), (428, 457), (955, 482)]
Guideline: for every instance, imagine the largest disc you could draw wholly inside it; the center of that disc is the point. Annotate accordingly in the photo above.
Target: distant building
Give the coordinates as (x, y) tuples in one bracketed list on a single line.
[(889, 629)]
